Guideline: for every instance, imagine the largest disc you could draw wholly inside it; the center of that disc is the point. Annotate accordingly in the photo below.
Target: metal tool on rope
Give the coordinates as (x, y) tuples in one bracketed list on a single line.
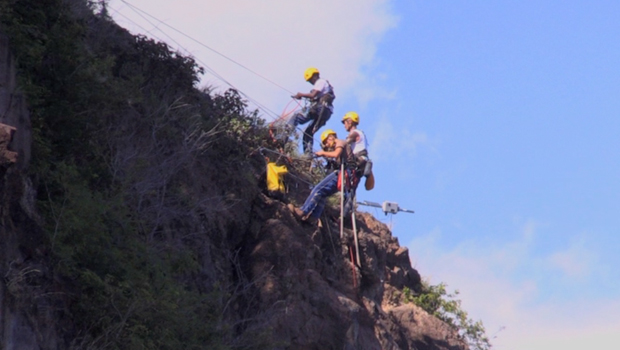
[(387, 207)]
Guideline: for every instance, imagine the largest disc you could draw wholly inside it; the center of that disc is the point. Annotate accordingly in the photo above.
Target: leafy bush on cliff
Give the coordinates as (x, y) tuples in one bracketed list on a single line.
[(435, 300)]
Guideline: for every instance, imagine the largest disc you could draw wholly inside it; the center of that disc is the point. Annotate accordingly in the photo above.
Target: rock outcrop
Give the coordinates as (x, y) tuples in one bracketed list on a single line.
[(320, 299)]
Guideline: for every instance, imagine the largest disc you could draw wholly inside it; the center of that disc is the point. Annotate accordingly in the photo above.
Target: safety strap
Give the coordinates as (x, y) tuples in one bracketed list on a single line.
[(329, 97)]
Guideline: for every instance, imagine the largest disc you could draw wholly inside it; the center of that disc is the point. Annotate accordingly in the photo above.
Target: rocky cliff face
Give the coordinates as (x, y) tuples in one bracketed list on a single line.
[(320, 299), (301, 285)]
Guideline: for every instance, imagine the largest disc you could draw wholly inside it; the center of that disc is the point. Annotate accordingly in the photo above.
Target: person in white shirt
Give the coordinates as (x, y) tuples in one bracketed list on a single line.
[(359, 146), (356, 137), (320, 110)]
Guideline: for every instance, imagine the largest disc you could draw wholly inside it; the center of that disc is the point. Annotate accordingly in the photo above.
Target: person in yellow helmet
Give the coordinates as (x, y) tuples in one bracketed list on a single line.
[(320, 110), (359, 145), (313, 206), (356, 137)]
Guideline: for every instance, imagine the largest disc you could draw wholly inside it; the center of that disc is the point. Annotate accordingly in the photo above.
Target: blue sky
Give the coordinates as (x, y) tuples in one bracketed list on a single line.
[(496, 121)]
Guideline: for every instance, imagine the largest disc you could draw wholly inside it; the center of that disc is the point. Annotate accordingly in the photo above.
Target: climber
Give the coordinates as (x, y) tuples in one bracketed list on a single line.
[(358, 141), (338, 150), (356, 137), (319, 111)]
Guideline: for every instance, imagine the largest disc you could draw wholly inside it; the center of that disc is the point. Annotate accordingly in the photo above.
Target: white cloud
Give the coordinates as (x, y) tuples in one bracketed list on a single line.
[(576, 261), (501, 285), (277, 39), (571, 326), (390, 142)]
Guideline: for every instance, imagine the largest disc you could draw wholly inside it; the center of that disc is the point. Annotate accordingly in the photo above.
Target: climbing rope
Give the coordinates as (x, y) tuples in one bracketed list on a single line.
[(353, 268)]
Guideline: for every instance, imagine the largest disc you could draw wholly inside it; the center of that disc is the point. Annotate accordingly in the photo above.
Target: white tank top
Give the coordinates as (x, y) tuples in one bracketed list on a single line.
[(361, 144)]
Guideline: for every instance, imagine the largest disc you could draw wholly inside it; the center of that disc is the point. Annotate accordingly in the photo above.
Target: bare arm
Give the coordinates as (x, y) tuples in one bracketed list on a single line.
[(311, 95), (335, 153), (353, 137)]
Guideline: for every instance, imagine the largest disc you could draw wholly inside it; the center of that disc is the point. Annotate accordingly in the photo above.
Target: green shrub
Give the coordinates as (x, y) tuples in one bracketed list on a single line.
[(435, 300)]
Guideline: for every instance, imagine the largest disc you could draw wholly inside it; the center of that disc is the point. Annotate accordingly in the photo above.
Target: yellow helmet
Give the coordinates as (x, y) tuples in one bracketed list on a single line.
[(310, 72), (326, 134), (354, 117)]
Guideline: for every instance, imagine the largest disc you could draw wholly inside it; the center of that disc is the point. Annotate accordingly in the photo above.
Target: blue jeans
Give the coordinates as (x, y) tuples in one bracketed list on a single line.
[(316, 200), (319, 115)]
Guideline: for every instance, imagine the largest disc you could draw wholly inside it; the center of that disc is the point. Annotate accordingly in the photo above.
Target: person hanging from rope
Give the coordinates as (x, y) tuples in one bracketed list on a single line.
[(359, 144), (356, 137), (333, 149), (320, 110)]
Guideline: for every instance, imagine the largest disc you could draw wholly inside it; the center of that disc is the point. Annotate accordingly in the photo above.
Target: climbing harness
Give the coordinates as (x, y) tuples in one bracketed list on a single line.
[(323, 103)]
